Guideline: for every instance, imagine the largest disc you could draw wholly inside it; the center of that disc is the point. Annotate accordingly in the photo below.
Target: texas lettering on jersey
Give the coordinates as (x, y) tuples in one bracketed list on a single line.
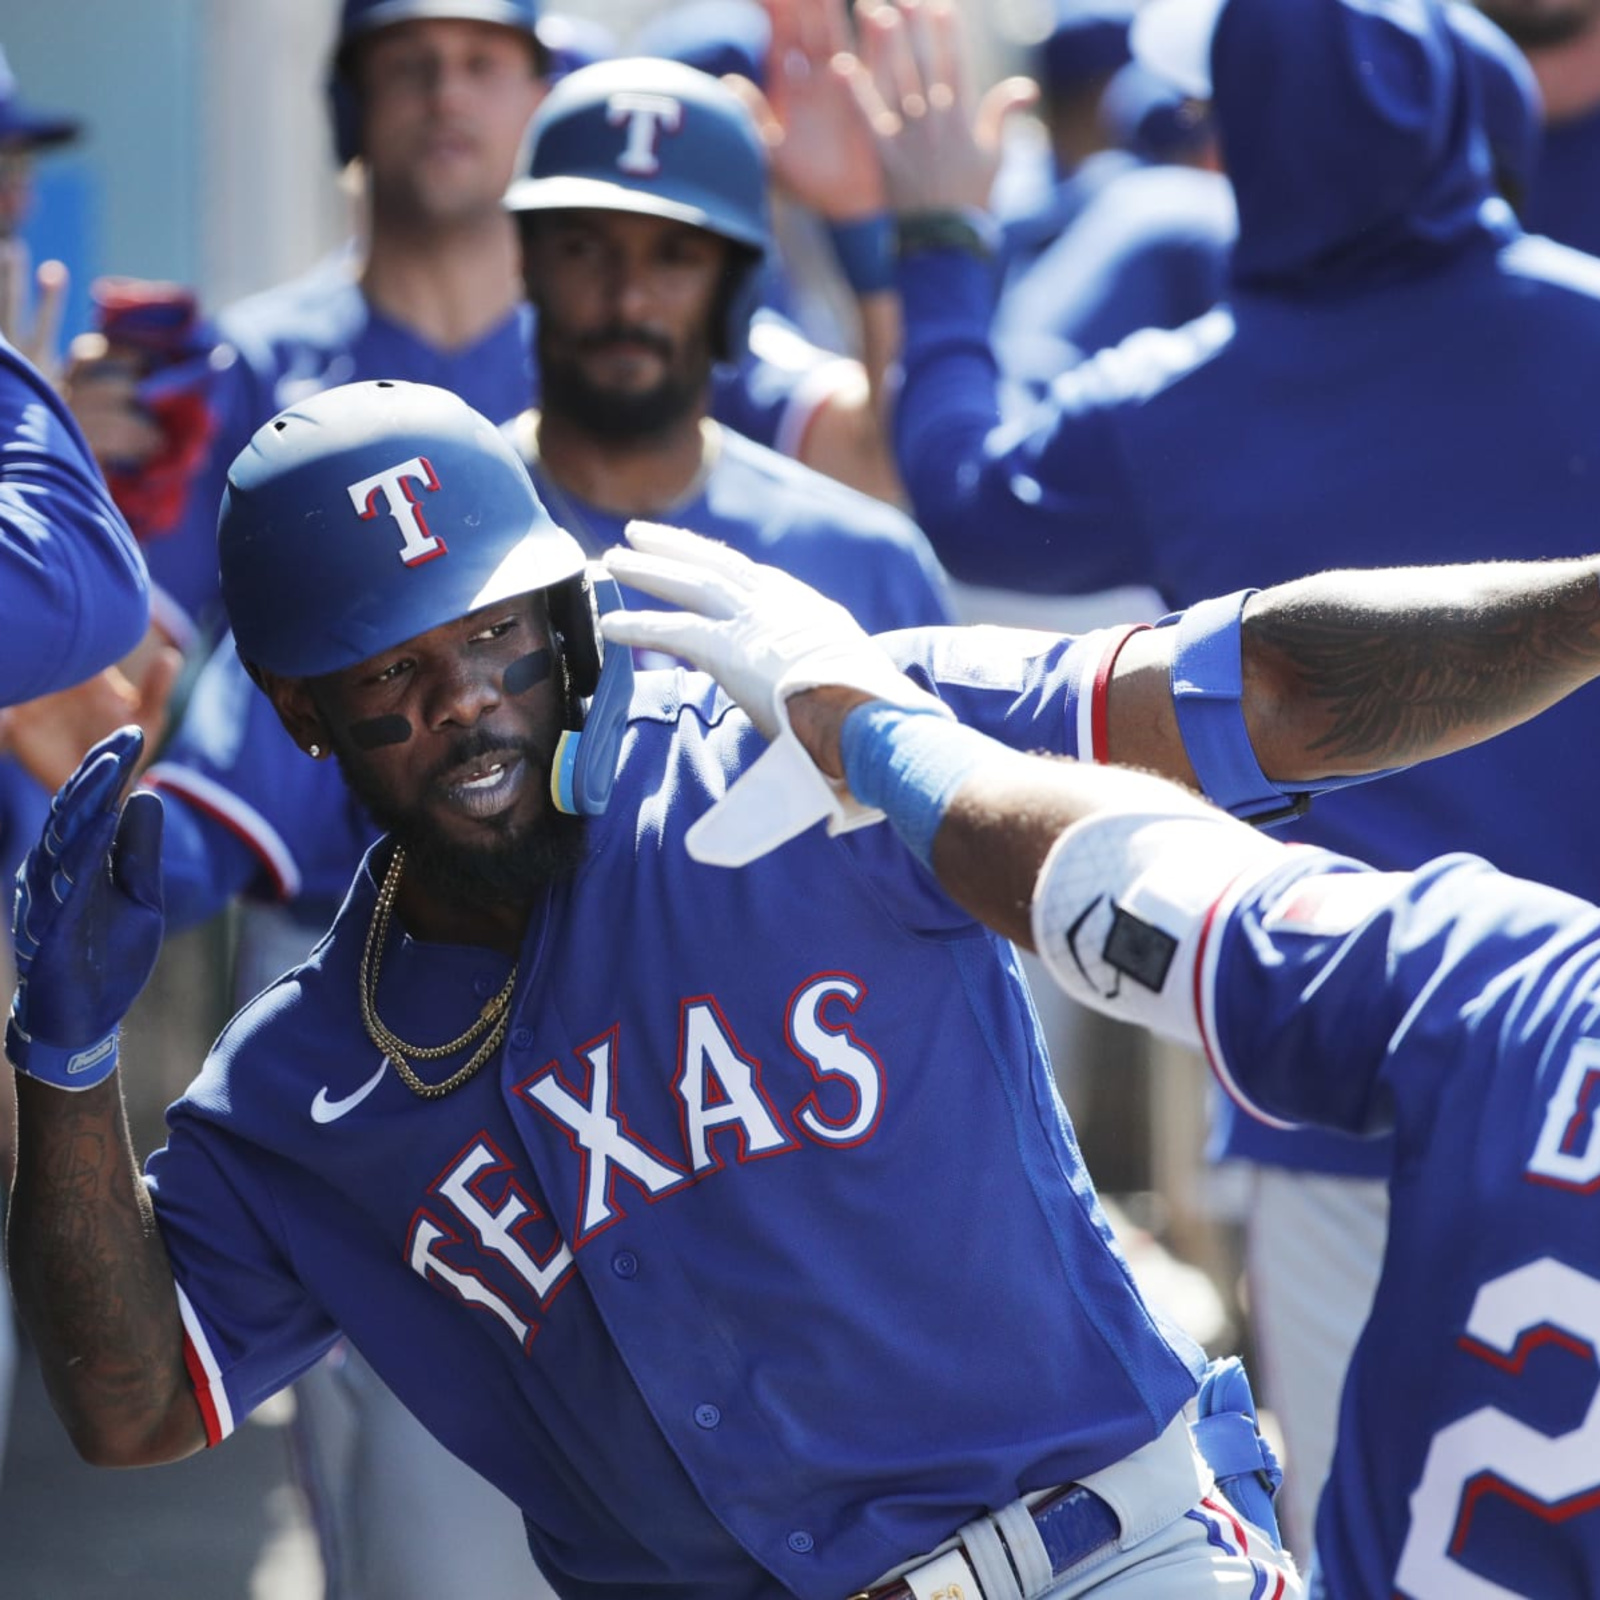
[(481, 1234)]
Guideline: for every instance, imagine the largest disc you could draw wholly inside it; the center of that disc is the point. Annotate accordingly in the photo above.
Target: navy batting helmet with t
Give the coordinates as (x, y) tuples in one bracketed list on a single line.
[(360, 18), (659, 139), (374, 512)]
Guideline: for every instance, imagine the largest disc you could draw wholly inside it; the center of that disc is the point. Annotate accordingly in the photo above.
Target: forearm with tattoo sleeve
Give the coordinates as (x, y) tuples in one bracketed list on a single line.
[(1357, 671), (92, 1282)]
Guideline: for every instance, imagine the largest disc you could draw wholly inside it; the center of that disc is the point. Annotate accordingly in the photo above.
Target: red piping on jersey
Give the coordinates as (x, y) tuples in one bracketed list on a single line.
[(1100, 694), (201, 1385), (281, 886), (1213, 1051)]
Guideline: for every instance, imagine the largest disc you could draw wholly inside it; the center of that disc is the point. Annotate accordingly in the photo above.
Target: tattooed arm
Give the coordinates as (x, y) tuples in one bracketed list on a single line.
[(1352, 672), (88, 1265), (92, 1283)]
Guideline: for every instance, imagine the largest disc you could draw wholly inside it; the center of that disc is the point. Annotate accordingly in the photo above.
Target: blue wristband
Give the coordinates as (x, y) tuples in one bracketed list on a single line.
[(866, 252), (1207, 694), (909, 764), (64, 1067)]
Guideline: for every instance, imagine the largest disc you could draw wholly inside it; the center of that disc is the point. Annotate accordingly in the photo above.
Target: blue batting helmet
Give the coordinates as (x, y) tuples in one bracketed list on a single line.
[(370, 513), (663, 140), (360, 18), (374, 512)]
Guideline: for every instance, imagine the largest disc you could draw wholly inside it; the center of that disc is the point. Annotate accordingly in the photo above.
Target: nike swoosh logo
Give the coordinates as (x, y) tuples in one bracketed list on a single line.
[(325, 1109)]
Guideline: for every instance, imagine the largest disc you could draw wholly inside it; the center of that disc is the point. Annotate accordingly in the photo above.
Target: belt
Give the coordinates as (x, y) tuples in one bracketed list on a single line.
[(1073, 1522)]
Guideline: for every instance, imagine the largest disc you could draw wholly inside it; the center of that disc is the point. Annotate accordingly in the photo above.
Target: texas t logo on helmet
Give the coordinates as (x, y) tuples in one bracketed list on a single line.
[(400, 501), (657, 139), (646, 117), (310, 591)]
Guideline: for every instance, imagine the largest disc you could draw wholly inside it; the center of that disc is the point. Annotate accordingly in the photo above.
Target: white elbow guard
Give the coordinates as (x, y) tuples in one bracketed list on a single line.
[(1122, 904)]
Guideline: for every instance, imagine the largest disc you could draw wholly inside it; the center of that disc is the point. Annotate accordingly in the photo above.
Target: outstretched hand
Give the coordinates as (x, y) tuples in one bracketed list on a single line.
[(765, 637), (821, 151), (88, 920), (938, 147)]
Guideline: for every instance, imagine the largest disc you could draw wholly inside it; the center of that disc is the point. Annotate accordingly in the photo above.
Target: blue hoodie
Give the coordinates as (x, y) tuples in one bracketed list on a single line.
[(1396, 376)]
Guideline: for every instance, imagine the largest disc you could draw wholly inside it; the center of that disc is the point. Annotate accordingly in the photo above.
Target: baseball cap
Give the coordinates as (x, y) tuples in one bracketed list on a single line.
[(24, 125), (1154, 117), (1087, 40), (715, 36), (360, 17), (1172, 38), (571, 42)]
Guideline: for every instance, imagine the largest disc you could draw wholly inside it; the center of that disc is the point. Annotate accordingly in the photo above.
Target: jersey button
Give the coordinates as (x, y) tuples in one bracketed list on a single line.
[(707, 1416), (801, 1542), (625, 1264), (521, 1038), (484, 987)]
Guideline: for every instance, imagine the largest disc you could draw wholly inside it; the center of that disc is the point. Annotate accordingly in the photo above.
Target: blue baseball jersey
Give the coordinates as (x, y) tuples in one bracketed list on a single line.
[(761, 1256), (73, 588), (865, 554), (1397, 375), (319, 330), (249, 814), (1457, 1008), (1462, 1013)]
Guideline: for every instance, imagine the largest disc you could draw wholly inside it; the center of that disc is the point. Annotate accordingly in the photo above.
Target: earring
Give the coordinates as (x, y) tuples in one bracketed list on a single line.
[(314, 751)]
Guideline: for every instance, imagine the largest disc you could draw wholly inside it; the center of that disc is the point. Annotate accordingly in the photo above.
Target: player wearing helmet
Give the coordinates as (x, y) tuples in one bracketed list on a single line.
[(645, 228), (248, 818)]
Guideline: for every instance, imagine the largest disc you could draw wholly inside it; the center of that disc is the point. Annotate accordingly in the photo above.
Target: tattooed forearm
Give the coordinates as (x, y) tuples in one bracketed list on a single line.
[(92, 1280), (1357, 671)]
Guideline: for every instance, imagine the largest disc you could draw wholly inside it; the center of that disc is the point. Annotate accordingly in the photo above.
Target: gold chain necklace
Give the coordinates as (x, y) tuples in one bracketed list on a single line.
[(495, 1015)]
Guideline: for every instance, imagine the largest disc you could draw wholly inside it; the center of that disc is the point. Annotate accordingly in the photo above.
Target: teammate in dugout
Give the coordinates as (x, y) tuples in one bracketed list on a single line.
[(1398, 373), (634, 1178), (1455, 1005)]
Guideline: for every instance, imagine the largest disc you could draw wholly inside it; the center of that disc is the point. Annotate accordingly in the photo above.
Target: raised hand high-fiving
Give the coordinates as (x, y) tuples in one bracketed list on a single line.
[(88, 920)]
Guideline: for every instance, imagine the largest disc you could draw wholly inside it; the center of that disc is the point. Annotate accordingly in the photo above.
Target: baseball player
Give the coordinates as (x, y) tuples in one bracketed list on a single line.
[(623, 430), (694, 1209), (1397, 373), (645, 227), (1454, 1005)]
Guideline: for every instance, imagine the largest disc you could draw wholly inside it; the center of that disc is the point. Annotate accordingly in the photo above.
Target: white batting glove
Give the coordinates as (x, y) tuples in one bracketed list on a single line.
[(764, 636)]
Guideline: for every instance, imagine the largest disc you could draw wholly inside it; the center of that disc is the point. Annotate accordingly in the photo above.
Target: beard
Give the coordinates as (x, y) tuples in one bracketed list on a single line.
[(1540, 27), (621, 416), (511, 861)]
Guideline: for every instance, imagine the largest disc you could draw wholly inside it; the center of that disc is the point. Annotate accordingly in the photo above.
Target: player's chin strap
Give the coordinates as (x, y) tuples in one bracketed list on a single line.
[(585, 764)]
